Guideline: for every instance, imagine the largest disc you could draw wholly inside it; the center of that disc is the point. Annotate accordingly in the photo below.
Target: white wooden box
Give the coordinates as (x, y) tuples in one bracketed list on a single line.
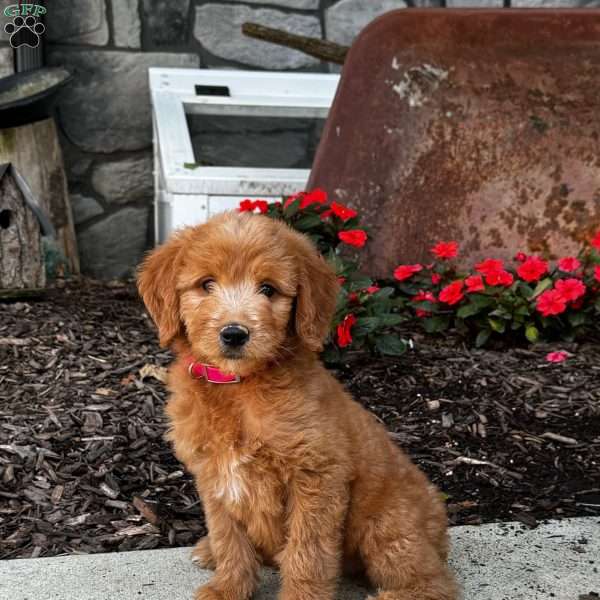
[(185, 196)]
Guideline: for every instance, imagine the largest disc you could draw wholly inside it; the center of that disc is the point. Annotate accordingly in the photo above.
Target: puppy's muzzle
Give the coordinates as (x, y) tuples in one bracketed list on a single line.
[(234, 336)]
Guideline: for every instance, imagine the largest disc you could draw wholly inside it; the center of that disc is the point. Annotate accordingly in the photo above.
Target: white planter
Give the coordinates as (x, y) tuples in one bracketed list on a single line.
[(186, 196)]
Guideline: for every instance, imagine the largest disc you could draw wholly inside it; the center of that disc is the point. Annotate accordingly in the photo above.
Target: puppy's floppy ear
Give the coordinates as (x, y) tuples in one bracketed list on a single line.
[(156, 282), (318, 288)]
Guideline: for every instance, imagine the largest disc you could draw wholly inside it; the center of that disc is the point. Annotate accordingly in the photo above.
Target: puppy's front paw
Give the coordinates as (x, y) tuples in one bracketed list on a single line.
[(211, 591), (202, 554)]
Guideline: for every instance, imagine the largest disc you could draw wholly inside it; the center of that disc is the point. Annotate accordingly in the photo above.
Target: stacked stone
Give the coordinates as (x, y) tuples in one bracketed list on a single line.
[(105, 113)]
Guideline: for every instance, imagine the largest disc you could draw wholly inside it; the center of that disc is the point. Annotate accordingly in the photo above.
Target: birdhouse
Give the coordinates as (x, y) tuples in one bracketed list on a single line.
[(21, 255)]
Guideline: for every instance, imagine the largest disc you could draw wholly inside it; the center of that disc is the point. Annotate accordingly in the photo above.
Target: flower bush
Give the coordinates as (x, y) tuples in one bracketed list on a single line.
[(528, 299)]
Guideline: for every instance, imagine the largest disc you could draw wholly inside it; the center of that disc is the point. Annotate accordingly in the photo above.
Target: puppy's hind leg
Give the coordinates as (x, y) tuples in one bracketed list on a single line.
[(409, 570), (202, 554)]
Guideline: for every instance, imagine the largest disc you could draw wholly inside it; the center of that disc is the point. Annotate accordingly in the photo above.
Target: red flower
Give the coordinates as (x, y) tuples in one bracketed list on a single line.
[(474, 284), (422, 296), (494, 273), (353, 237), (520, 257), (597, 273), (344, 331), (341, 280), (532, 269), (403, 272), (248, 205), (326, 214), (570, 289), (353, 298), (435, 278), (505, 278), (551, 302), (596, 241), (452, 294), (500, 277), (445, 250), (489, 265), (262, 205), (343, 212), (569, 264), (556, 357), (317, 196), (372, 289)]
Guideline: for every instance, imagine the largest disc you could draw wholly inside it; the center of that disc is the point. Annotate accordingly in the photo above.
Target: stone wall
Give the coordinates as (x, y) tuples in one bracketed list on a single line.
[(105, 114)]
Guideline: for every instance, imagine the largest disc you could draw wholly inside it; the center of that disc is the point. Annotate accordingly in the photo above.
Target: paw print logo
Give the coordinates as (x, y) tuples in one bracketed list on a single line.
[(24, 32)]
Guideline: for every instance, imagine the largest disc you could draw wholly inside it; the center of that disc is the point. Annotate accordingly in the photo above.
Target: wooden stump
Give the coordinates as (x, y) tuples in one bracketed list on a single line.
[(35, 152), (21, 259)]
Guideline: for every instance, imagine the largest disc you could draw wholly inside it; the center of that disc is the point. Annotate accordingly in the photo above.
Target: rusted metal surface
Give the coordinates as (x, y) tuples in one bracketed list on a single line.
[(479, 126)]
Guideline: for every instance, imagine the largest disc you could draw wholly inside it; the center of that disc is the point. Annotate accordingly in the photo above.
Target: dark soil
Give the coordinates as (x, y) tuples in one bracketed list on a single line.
[(84, 467)]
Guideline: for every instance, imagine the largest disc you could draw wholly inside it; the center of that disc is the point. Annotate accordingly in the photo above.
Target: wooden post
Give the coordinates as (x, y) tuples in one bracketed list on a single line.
[(35, 152), (21, 259)]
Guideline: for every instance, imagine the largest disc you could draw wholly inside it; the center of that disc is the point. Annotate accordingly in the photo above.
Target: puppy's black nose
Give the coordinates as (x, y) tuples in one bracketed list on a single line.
[(234, 335)]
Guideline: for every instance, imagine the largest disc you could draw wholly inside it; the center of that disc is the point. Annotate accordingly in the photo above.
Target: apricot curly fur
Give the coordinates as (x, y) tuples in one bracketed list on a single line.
[(290, 470)]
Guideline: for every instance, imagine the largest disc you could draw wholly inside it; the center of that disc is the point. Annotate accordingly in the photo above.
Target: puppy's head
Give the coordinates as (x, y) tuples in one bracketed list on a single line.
[(241, 290)]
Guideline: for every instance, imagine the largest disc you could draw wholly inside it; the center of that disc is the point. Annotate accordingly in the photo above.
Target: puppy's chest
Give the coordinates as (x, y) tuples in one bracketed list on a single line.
[(244, 478)]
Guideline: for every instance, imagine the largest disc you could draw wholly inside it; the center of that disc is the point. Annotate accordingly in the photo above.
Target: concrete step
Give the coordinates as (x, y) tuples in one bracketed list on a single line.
[(559, 560)]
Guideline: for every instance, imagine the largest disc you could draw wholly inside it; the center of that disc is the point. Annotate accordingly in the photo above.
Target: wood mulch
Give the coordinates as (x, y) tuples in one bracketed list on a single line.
[(84, 467)]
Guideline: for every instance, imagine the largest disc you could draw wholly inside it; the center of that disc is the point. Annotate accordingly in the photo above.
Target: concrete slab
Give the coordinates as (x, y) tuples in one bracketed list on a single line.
[(559, 560)]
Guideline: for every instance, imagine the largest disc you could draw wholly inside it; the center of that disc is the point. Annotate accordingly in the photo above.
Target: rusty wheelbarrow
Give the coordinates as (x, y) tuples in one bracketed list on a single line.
[(476, 125)]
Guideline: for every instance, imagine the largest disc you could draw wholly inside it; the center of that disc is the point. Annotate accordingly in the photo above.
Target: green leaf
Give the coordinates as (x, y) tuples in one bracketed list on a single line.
[(390, 319), (525, 289), (292, 209), (497, 325), (338, 264), (501, 313), (576, 319), (532, 333), (366, 325), (522, 311), (468, 310), (436, 324), (190, 165), (390, 345), (353, 223), (481, 301), (307, 222), (358, 282), (482, 337), (541, 287), (383, 293)]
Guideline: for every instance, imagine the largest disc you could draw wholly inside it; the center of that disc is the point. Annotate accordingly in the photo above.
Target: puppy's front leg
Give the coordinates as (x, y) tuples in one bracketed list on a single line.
[(311, 560), (236, 575)]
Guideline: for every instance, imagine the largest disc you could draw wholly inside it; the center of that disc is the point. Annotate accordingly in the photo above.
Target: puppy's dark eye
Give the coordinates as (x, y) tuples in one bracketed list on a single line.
[(208, 285), (267, 290)]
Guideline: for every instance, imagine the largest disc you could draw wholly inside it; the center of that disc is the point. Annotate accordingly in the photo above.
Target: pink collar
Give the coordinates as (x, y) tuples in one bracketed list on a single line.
[(198, 370)]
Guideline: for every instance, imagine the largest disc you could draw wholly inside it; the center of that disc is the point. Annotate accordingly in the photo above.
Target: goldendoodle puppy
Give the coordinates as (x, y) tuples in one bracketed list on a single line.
[(291, 471)]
